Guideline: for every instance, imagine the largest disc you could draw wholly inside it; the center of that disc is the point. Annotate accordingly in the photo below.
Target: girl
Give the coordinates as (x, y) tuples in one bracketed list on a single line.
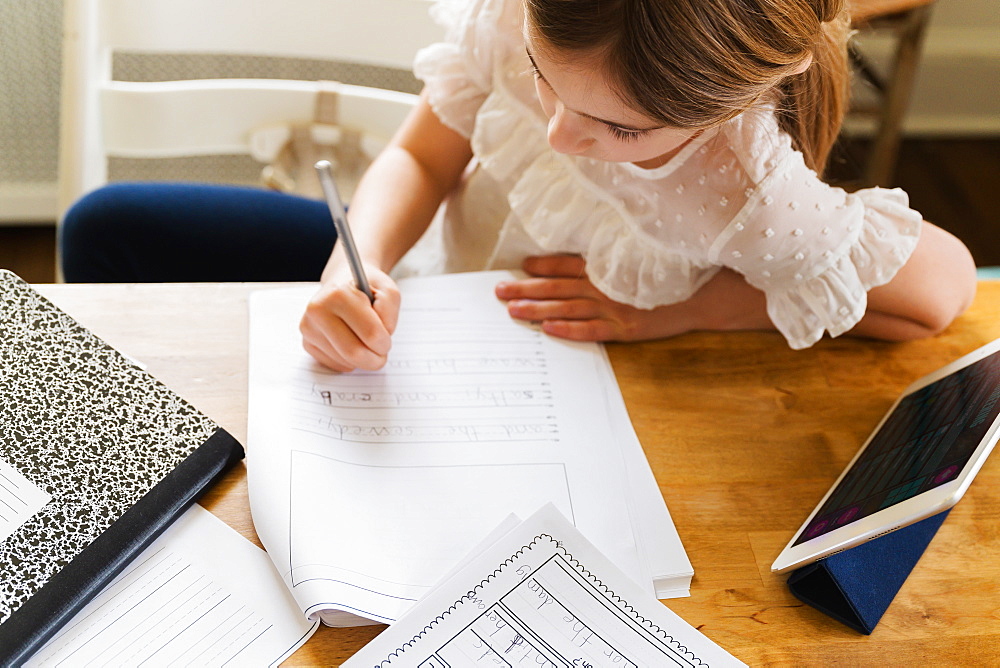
[(651, 164)]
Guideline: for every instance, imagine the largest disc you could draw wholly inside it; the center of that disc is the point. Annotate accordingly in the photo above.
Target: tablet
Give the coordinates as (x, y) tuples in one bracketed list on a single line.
[(918, 462)]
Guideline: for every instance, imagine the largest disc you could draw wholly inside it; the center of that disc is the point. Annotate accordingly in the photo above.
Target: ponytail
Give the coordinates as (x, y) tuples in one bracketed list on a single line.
[(813, 103)]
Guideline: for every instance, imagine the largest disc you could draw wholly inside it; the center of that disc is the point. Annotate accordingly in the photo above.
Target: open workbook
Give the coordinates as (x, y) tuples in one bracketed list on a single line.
[(184, 601), (367, 487)]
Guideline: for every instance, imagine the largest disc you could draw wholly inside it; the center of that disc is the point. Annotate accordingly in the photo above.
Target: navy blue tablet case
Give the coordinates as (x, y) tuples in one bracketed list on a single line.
[(857, 585)]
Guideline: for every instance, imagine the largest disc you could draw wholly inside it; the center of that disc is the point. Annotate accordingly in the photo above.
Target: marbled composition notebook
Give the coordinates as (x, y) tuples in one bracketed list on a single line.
[(97, 458)]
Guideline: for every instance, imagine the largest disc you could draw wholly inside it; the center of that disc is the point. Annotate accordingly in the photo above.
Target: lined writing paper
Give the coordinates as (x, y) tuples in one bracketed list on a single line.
[(200, 595)]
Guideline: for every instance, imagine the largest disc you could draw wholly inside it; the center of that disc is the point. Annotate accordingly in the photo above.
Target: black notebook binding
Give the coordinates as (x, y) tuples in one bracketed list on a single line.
[(119, 454)]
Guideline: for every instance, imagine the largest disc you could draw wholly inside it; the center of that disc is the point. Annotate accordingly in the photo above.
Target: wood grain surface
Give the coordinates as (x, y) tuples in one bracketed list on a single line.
[(743, 434)]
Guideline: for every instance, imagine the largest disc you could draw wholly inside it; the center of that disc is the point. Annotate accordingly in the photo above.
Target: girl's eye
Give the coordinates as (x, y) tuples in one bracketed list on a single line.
[(626, 135), (534, 69)]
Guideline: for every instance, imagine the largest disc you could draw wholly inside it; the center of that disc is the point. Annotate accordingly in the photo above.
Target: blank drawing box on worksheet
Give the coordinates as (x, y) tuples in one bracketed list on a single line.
[(366, 488)]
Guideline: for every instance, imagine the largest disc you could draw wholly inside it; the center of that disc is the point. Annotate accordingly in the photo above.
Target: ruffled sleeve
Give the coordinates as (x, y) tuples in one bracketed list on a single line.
[(836, 298), (815, 250), (457, 73)]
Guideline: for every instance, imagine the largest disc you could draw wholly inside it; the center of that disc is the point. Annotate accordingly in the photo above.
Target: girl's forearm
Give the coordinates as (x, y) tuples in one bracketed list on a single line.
[(726, 302), (934, 287), (402, 189), (392, 206)]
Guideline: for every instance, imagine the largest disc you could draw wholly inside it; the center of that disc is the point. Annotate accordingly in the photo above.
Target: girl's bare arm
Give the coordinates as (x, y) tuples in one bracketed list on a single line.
[(393, 205), (929, 291)]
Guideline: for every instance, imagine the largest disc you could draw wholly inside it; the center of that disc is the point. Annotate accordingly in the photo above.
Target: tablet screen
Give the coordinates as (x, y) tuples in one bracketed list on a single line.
[(924, 443)]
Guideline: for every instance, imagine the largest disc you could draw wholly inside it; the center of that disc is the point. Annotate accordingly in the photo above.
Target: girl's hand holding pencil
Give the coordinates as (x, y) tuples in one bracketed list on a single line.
[(342, 329)]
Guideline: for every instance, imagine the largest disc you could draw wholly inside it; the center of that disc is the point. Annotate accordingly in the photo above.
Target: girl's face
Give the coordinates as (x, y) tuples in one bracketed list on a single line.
[(587, 119)]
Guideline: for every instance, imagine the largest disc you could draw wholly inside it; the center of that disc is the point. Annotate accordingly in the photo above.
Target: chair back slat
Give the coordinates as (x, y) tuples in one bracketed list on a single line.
[(103, 118)]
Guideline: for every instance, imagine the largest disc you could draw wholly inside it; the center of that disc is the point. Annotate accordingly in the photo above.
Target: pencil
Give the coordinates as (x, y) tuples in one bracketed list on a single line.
[(344, 236)]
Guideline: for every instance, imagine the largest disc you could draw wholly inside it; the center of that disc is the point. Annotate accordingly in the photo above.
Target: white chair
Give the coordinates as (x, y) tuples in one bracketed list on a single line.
[(103, 118)]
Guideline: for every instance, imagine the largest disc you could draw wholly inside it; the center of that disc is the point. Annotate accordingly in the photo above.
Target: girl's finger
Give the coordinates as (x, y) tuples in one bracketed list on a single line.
[(545, 288), (581, 330), (387, 306), (561, 309), (321, 356), (367, 326), (565, 265), (323, 338), (346, 315), (343, 341), (339, 339)]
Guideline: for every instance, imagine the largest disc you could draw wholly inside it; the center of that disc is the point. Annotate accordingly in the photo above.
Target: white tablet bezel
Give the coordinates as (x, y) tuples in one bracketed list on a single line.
[(914, 509)]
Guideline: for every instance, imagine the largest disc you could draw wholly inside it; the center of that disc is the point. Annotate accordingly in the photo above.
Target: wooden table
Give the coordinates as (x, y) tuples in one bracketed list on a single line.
[(743, 434)]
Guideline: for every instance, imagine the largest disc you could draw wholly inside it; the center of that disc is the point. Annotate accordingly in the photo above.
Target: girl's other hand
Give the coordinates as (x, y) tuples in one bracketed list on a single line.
[(561, 297), (343, 330)]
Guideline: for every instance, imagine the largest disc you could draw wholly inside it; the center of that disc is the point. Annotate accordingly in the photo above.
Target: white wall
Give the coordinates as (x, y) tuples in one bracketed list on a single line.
[(957, 93)]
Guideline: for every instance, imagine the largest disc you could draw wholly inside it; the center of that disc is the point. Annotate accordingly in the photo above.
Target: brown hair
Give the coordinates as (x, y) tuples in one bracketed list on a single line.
[(697, 63)]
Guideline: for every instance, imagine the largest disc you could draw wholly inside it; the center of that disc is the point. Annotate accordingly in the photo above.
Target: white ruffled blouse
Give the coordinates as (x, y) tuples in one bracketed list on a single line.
[(739, 196)]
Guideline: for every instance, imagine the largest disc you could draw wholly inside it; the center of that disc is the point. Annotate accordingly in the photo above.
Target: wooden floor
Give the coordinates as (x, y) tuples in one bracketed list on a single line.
[(954, 183)]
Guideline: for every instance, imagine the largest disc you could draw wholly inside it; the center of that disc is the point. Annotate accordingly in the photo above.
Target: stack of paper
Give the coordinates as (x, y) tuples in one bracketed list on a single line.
[(541, 595), (367, 488)]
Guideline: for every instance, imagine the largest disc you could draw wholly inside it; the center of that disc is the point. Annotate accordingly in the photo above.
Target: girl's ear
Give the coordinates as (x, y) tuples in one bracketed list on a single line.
[(804, 65)]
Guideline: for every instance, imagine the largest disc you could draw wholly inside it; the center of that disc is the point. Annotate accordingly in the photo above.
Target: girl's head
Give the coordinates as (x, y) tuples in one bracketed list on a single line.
[(685, 65), (588, 118)]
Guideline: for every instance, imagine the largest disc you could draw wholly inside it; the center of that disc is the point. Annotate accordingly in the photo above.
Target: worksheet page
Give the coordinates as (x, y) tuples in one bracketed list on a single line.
[(367, 487), (200, 595), (540, 596)]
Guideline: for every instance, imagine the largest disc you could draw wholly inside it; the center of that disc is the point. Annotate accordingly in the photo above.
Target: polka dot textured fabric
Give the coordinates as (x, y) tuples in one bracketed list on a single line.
[(737, 196)]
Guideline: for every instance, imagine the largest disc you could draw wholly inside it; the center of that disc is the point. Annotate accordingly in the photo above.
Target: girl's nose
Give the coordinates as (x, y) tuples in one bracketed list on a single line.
[(568, 132)]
